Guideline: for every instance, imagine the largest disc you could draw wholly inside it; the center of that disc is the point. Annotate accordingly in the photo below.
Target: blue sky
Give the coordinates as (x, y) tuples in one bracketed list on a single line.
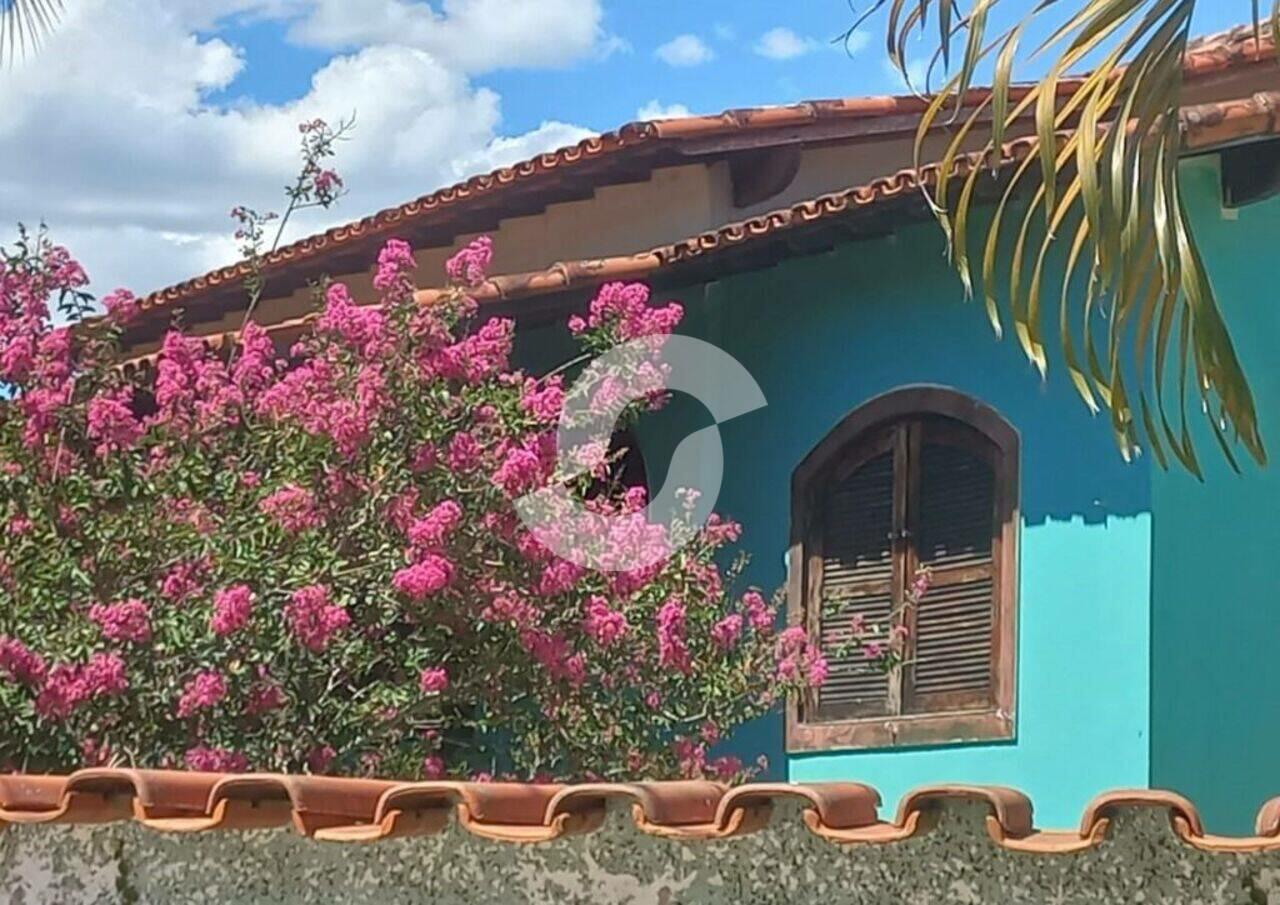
[(603, 93), (141, 122)]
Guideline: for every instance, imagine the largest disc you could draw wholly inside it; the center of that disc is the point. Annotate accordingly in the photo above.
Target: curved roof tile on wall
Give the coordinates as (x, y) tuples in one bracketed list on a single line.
[(366, 810)]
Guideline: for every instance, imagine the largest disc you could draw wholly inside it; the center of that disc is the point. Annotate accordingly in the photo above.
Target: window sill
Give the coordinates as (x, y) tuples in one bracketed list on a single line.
[(899, 732)]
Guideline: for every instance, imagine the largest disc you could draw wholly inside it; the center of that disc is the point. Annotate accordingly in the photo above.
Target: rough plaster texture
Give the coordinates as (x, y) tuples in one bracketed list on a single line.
[(1141, 862)]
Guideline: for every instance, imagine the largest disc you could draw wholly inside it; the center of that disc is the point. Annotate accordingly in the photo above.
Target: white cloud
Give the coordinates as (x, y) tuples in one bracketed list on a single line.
[(107, 134), (656, 110), (506, 150), (854, 42), (685, 50), (783, 44), (917, 73), (473, 35)]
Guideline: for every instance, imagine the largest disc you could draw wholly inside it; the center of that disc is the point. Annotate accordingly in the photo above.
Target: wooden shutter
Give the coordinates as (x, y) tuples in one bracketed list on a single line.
[(953, 526), (853, 561)]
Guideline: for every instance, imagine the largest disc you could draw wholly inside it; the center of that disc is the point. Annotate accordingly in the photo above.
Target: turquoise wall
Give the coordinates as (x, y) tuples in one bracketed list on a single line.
[(1215, 628), (823, 334)]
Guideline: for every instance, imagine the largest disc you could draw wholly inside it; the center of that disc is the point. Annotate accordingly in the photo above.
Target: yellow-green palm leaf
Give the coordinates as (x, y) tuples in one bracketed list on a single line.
[(1135, 305)]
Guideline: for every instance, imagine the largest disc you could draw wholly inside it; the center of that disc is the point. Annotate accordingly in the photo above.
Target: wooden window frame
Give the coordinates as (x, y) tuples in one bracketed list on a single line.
[(991, 723)]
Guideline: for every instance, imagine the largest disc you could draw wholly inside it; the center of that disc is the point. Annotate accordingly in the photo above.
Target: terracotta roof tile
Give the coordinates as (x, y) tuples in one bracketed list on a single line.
[(1204, 126), (364, 810), (1206, 57)]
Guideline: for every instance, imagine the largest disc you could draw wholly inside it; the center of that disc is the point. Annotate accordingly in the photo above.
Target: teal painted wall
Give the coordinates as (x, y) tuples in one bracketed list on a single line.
[(1216, 615), (822, 335)]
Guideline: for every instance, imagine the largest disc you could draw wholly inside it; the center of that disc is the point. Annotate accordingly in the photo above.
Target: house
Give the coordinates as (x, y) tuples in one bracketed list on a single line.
[(1093, 623)]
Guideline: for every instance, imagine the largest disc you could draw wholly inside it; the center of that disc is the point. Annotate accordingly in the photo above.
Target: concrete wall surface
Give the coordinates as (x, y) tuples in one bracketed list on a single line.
[(1140, 861)]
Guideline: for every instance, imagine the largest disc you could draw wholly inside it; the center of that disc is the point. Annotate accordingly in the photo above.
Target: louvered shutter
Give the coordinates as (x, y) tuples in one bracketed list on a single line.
[(953, 526), (855, 557)]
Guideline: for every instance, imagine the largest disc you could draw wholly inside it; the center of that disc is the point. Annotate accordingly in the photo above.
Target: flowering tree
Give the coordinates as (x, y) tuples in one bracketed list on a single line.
[(244, 562)]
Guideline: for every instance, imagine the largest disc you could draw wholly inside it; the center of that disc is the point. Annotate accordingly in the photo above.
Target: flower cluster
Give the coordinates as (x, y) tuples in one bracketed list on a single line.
[(310, 558), (232, 608), (313, 619), (129, 620)]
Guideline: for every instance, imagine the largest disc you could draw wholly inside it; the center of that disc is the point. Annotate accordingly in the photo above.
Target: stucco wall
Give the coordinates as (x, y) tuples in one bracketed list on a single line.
[(823, 334), (1141, 861), (1216, 616)]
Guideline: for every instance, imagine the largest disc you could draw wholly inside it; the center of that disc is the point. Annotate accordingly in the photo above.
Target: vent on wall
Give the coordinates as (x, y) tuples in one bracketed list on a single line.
[(1250, 172)]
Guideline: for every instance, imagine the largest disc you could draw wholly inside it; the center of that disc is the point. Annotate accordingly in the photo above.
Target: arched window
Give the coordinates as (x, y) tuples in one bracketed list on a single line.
[(922, 478)]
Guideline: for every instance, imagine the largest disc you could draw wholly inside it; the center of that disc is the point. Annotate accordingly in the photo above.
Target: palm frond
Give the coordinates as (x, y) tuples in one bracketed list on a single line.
[(24, 24), (1140, 330)]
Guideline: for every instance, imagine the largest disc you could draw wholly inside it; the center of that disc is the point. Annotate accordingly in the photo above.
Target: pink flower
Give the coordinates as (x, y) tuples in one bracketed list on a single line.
[(432, 530), (313, 619), (798, 659), (327, 182), (521, 471), (293, 508), (121, 305), (184, 580), (423, 578), (232, 608), (320, 757), (603, 625), (193, 389), (470, 264), (104, 675), (725, 767), (673, 652), (543, 399), (318, 396), (67, 686), (818, 671), (424, 458), (19, 526), (19, 663), (203, 692), (263, 697), (692, 756), (558, 577), (395, 267), (433, 680), (432, 767), (575, 670), (128, 620), (64, 689), (635, 498), (653, 700), (362, 328), (719, 530), (759, 614), (215, 760), (623, 308), (463, 454), (256, 365), (479, 355), (727, 631)]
